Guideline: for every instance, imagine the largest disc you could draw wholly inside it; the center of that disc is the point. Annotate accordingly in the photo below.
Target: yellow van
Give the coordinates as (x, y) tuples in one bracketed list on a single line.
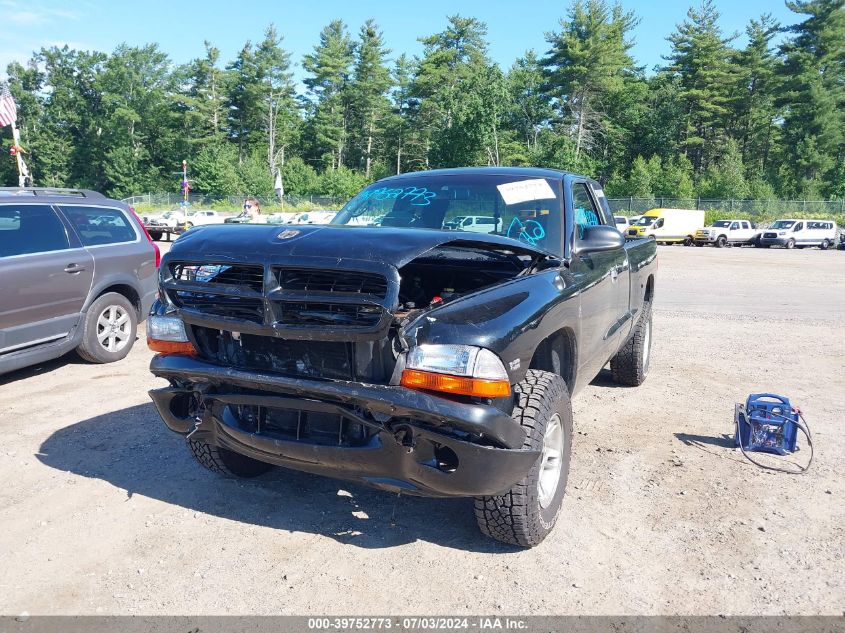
[(668, 225)]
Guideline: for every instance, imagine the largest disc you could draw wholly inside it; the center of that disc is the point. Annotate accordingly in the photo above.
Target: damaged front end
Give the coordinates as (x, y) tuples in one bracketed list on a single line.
[(298, 361)]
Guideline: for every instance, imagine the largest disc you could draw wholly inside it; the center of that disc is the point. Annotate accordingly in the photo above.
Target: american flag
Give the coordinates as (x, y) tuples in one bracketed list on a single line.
[(8, 109)]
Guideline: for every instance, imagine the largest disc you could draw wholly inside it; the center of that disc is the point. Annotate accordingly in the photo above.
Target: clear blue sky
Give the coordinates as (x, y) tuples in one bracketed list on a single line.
[(180, 27)]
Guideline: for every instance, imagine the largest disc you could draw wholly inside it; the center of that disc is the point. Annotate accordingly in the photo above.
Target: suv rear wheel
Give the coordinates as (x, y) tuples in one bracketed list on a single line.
[(108, 334), (226, 462), (526, 513)]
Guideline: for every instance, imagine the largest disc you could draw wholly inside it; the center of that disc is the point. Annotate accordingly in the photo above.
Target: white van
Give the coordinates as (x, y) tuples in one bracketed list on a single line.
[(668, 225), (799, 233), (475, 224)]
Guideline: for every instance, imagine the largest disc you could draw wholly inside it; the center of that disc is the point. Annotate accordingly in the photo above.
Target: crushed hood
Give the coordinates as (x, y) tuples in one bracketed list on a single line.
[(331, 244)]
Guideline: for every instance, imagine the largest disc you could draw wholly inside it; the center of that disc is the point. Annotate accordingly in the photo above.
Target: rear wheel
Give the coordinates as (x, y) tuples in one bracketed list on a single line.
[(226, 462), (825, 245), (526, 513), (631, 363), (688, 240), (155, 235), (108, 332)]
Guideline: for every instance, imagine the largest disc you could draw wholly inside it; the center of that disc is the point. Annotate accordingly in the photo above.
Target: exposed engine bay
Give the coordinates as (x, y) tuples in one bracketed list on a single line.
[(449, 271)]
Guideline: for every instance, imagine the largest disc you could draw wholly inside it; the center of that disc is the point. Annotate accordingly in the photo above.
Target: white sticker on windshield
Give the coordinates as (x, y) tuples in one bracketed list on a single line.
[(525, 191)]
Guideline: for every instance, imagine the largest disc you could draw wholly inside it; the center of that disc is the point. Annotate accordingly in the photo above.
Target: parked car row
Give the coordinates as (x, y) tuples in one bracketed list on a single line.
[(671, 226)]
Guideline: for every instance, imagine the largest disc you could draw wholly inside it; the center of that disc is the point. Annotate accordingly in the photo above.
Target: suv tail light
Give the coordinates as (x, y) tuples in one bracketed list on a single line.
[(147, 233)]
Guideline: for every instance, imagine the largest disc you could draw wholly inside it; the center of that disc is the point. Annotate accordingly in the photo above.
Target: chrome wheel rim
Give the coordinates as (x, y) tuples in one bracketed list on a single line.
[(647, 346), (114, 327), (551, 462)]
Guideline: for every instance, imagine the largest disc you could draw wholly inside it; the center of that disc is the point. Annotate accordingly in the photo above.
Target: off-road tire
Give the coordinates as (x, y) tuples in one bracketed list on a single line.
[(225, 462), (630, 365), (90, 348), (516, 517), (721, 241)]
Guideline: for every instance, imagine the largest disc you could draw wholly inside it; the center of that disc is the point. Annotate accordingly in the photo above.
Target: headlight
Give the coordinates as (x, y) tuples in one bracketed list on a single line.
[(457, 369), (781, 232), (166, 335)]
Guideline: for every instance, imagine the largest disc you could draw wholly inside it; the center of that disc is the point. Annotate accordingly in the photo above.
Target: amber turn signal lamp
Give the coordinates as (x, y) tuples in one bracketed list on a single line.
[(459, 385), (166, 348)]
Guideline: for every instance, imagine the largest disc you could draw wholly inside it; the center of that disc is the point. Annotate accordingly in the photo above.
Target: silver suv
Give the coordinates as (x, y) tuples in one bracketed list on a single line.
[(77, 271)]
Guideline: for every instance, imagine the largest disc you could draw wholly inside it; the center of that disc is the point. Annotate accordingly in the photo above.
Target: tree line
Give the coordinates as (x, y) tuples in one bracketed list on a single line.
[(762, 121)]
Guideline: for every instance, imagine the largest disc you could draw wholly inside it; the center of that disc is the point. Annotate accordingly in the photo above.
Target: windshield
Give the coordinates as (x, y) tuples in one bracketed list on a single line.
[(722, 224), (782, 224), (646, 220), (522, 208)]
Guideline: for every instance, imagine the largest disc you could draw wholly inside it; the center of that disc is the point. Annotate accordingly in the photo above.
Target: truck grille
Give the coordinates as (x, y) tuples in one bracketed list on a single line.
[(632, 232), (770, 234), (332, 282), (220, 305), (309, 314), (301, 300)]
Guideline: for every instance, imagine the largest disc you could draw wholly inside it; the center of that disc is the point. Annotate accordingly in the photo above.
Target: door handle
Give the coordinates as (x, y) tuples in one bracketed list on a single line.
[(74, 268)]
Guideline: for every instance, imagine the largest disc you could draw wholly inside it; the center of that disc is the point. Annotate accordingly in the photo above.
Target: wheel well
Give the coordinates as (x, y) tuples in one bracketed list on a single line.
[(127, 291), (557, 354)]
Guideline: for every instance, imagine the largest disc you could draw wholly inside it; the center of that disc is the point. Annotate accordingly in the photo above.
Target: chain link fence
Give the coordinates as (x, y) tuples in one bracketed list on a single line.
[(751, 209), (233, 203)]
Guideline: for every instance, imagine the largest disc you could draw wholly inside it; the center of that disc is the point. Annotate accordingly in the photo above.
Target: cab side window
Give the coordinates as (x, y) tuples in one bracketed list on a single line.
[(734, 226), (26, 229), (584, 209)]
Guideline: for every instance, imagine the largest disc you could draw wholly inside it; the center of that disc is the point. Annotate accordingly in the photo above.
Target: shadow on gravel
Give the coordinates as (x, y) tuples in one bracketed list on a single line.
[(605, 379), (133, 450), (41, 368), (723, 441)]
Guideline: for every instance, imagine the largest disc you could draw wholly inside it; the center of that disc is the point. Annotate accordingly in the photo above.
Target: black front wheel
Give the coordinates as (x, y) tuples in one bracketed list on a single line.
[(526, 514)]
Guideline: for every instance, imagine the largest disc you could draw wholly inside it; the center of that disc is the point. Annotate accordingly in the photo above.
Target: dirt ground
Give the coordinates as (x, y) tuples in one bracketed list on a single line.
[(103, 511)]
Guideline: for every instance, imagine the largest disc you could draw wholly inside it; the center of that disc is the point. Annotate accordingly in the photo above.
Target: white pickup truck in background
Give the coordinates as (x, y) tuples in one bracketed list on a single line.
[(727, 233)]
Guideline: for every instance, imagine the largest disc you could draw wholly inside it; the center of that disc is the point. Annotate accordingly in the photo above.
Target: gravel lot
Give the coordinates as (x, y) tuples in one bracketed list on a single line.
[(103, 510)]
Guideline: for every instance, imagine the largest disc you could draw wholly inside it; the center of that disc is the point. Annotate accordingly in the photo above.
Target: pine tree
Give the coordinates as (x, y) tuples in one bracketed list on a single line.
[(452, 87), (586, 66), (755, 113), (814, 97), (532, 108), (367, 95), (329, 67), (700, 59)]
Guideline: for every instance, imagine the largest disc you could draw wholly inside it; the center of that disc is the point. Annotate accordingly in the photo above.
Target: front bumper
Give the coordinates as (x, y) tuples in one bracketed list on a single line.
[(774, 241), (412, 446)]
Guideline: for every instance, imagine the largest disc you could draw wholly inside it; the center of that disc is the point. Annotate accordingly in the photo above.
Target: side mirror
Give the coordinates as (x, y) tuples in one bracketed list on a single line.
[(598, 239)]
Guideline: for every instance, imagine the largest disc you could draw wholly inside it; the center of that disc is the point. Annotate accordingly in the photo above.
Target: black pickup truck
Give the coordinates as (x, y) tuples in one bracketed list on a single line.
[(391, 351)]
